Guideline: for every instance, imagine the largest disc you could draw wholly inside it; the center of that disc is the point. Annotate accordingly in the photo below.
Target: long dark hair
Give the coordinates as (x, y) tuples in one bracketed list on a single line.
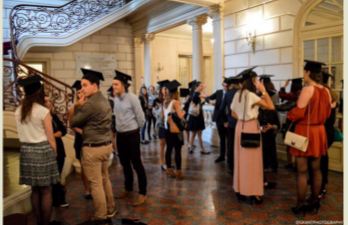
[(316, 77), (248, 85), (160, 94), (28, 102), (146, 97)]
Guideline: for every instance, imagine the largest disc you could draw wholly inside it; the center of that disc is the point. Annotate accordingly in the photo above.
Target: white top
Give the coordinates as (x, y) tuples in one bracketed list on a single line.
[(166, 111), (33, 131), (238, 107)]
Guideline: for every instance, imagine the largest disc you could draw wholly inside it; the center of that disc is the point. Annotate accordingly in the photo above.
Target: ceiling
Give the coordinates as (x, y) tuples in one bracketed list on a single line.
[(327, 11)]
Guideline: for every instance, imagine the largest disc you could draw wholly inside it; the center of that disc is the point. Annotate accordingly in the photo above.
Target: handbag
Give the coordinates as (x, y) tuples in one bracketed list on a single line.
[(338, 137), (176, 125), (249, 140), (295, 140), (193, 109)]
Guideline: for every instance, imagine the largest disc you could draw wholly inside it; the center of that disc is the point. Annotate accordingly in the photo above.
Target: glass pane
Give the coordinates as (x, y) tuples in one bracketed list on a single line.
[(337, 72), (309, 50), (323, 50), (336, 49)]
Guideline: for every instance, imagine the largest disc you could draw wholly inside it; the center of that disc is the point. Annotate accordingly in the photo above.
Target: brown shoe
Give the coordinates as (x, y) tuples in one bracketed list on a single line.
[(179, 175), (170, 172), (141, 199), (124, 193)]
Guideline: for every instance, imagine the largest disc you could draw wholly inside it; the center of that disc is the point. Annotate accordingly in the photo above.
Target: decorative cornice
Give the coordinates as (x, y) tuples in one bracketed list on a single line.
[(148, 38), (197, 21), (137, 42)]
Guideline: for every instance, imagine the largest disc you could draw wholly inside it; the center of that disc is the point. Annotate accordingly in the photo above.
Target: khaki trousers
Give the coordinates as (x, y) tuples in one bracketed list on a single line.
[(95, 164)]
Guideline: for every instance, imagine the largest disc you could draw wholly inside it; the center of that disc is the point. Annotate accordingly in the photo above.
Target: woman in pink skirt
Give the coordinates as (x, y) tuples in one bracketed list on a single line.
[(248, 166)]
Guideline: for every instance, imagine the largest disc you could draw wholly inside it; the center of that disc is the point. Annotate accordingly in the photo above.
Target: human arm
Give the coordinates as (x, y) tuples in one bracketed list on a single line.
[(47, 122), (71, 113), (177, 108), (60, 128), (267, 102), (138, 111), (299, 111)]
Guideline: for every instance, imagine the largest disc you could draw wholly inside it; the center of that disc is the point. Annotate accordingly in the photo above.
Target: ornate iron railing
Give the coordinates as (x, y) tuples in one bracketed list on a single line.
[(60, 93), (57, 21)]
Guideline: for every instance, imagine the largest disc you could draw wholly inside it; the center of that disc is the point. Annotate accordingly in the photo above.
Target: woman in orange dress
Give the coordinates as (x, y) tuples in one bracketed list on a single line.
[(313, 109)]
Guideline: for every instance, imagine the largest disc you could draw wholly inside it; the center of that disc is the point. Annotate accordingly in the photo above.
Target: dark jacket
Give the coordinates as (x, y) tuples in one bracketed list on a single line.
[(58, 126), (225, 108), (217, 96)]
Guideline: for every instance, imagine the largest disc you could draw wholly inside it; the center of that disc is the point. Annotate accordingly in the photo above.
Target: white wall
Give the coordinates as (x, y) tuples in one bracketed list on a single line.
[(115, 39), (274, 36)]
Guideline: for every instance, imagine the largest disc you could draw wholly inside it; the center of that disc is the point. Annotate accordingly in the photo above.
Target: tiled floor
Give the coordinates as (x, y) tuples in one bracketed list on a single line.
[(205, 196)]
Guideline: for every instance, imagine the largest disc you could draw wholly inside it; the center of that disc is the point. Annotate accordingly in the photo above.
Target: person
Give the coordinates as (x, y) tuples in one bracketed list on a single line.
[(248, 168), (292, 96), (159, 127), (330, 130), (144, 98), (93, 114), (151, 97), (218, 97), (111, 95), (78, 140), (312, 110), (59, 131), (229, 121), (129, 119), (270, 124), (196, 123), (173, 140), (186, 108), (38, 166)]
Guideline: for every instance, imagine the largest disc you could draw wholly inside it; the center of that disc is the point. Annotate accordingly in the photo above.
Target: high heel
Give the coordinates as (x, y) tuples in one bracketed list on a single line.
[(314, 206), (257, 201), (240, 197), (302, 208)]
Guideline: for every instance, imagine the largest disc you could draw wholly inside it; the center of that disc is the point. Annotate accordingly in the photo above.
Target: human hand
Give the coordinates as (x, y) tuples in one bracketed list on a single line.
[(55, 153), (259, 85), (226, 125), (286, 83), (81, 101)]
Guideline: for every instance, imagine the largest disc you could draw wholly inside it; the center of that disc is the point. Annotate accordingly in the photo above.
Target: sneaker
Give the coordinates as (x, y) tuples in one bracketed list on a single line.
[(124, 193), (64, 204), (113, 212), (141, 199)]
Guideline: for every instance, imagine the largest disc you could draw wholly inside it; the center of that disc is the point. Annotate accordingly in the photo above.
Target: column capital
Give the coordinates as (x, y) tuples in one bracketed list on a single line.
[(197, 21), (215, 11), (137, 42), (148, 38)]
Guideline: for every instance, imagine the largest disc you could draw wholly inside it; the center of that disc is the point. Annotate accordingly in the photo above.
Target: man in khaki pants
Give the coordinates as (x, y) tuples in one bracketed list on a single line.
[(93, 114)]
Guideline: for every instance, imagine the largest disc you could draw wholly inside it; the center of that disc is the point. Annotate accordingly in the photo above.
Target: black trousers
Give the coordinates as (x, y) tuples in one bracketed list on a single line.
[(150, 119), (230, 148), (128, 146), (222, 130), (269, 150), (173, 142)]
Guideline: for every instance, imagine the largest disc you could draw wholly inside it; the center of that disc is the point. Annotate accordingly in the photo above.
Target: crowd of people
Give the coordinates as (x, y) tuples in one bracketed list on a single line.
[(245, 113)]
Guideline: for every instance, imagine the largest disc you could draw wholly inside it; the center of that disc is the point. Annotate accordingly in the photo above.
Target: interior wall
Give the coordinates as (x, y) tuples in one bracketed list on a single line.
[(274, 41), (165, 50)]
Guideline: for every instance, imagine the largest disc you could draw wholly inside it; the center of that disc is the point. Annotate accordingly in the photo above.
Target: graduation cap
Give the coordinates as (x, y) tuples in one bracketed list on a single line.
[(266, 78), (124, 78), (111, 91), (31, 85), (92, 76), (77, 85), (247, 74), (233, 80), (172, 86), (297, 80), (162, 82), (184, 92), (313, 66), (192, 83), (326, 77)]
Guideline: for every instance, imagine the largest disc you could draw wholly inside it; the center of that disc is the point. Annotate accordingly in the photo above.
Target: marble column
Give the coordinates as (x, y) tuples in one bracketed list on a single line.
[(197, 45), (216, 14), (138, 65), (148, 38)]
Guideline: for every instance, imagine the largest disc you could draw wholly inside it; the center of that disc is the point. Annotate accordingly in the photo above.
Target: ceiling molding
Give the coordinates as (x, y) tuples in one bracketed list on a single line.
[(203, 3), (13, 3), (179, 37)]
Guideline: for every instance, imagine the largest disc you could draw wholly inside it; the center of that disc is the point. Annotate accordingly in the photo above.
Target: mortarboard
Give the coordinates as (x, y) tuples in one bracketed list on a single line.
[(124, 78), (234, 80), (111, 91), (184, 92), (192, 83), (247, 74), (313, 66), (162, 82), (92, 76), (77, 85), (326, 77), (266, 78), (172, 86), (31, 85), (297, 80)]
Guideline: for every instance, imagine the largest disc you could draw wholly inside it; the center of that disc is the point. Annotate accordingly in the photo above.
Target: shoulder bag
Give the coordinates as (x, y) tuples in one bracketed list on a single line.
[(193, 109), (298, 141), (249, 140)]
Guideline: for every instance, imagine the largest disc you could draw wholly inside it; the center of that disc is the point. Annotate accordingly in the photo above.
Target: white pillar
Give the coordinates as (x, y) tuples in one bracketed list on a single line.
[(147, 39), (216, 14), (197, 45), (138, 65)]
